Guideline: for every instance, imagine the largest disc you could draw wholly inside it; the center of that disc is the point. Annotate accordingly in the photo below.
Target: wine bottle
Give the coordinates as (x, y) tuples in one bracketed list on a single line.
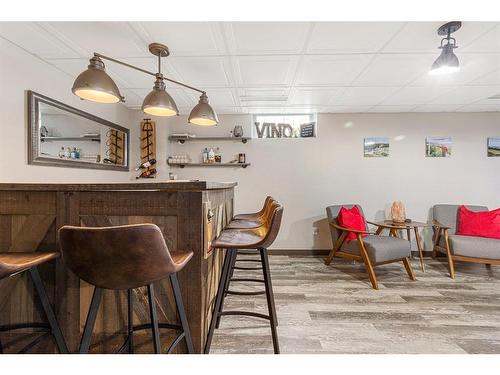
[(146, 164), (147, 174)]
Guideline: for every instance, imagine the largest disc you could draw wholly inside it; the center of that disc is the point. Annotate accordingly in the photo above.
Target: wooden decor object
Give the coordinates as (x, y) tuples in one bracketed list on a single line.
[(116, 147), (148, 144)]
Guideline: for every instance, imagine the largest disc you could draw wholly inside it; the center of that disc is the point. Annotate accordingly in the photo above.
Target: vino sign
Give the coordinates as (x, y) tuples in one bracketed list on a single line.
[(283, 130)]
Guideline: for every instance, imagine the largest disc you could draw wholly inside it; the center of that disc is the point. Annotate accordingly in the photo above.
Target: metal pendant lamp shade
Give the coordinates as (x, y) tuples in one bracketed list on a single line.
[(447, 62), (203, 114), (158, 102), (96, 85)]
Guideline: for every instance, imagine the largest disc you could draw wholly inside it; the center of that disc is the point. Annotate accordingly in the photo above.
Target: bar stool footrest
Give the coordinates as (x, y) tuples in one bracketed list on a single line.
[(141, 327), (249, 280), (247, 268), (237, 293), (245, 313)]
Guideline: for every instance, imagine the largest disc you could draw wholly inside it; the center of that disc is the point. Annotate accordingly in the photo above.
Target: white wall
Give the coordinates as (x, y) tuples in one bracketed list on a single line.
[(20, 71), (306, 175)]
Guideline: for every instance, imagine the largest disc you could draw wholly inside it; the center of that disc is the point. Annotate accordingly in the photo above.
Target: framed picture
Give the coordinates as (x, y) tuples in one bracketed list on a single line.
[(493, 146), (376, 147), (438, 147)]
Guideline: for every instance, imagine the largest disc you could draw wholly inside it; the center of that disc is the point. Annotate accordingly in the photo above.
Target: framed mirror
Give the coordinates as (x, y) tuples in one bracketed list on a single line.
[(63, 136)]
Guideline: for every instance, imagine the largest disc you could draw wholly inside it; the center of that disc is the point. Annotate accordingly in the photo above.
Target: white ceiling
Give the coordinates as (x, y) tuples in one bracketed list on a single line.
[(295, 67)]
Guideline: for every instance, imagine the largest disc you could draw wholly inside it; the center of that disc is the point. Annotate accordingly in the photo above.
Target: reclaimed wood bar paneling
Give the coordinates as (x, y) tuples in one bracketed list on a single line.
[(31, 214)]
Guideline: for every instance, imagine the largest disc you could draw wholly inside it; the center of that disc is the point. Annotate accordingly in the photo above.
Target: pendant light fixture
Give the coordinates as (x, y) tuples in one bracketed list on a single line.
[(96, 85), (447, 62)]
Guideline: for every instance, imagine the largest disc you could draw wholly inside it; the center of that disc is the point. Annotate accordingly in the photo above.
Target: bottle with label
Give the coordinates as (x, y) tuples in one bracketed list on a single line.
[(205, 155), (61, 153), (67, 153), (218, 156), (211, 156), (150, 173), (146, 164)]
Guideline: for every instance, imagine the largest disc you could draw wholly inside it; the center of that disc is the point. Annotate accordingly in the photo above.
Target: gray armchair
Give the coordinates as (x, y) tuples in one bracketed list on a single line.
[(461, 248), (373, 249)]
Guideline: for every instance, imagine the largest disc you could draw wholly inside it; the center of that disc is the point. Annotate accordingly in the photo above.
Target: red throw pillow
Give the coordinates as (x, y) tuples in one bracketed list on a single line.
[(352, 219), (480, 224)]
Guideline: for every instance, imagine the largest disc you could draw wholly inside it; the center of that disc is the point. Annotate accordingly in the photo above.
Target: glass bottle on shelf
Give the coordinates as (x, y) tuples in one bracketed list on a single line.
[(218, 156)]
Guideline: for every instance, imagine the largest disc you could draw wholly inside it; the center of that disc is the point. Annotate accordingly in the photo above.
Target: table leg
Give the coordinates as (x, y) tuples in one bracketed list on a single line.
[(419, 246)]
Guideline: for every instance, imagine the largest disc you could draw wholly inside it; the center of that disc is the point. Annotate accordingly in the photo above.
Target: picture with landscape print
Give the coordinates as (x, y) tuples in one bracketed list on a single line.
[(438, 147), (494, 146), (376, 147)]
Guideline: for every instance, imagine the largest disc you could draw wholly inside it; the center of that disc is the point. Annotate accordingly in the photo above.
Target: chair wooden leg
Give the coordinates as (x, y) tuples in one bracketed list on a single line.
[(451, 266), (330, 257), (409, 269), (336, 247), (368, 263)]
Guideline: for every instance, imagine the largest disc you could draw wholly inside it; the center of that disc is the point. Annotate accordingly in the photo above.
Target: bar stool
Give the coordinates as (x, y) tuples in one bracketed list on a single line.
[(250, 239), (255, 215), (256, 220), (125, 258), (15, 263)]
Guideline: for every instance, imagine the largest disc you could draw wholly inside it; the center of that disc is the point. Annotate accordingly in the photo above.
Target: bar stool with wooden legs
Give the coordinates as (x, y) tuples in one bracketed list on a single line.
[(125, 258), (13, 263), (249, 239)]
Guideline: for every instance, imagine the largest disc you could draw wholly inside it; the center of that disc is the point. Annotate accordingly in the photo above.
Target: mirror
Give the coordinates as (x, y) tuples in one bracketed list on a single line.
[(60, 135)]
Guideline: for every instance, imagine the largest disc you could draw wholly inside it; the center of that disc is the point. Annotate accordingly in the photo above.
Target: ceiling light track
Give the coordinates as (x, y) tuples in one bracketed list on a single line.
[(96, 85)]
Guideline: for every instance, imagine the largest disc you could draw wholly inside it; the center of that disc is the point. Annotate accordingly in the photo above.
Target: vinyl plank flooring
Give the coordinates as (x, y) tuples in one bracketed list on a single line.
[(333, 309)]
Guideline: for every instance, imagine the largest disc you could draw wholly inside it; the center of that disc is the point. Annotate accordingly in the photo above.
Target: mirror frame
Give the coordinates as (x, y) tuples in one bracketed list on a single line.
[(34, 158)]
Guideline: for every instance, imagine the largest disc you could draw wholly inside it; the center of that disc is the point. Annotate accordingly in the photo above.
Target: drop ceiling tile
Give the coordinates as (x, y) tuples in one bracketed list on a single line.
[(394, 70), (466, 95), (413, 95), (488, 42), (216, 97), (422, 37), (116, 39), (315, 96), (472, 67), (34, 39), (349, 37), (183, 38), (492, 78), (364, 95), (331, 70), (132, 99), (392, 108), (266, 37), (201, 72), (437, 108), (265, 70), (347, 109)]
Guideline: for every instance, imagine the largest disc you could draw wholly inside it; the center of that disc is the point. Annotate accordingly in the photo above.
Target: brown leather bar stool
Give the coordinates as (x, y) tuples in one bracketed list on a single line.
[(125, 258), (253, 221), (255, 239), (15, 263)]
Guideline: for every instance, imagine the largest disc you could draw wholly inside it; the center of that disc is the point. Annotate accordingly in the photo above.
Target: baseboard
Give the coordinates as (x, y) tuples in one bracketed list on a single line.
[(324, 252)]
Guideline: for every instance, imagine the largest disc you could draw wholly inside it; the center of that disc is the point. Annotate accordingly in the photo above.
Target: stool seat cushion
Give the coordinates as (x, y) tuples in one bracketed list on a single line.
[(380, 248), (240, 238), (13, 263), (244, 224)]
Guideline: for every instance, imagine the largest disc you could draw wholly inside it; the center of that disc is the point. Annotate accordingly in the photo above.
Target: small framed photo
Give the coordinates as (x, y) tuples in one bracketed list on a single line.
[(438, 147), (376, 147), (493, 146)]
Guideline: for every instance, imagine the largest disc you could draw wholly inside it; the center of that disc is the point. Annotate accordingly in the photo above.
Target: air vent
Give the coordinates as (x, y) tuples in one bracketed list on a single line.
[(259, 98), (497, 96)]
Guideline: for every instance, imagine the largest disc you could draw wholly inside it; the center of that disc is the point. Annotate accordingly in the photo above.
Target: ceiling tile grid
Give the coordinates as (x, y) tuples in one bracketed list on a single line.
[(251, 67)]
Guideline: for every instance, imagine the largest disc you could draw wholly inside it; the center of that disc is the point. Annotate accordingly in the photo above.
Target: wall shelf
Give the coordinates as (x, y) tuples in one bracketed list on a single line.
[(236, 165), (183, 139), (93, 139)]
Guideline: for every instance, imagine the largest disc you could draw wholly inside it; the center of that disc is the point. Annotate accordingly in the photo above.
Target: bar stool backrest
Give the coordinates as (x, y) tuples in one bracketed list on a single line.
[(272, 224), (120, 257)]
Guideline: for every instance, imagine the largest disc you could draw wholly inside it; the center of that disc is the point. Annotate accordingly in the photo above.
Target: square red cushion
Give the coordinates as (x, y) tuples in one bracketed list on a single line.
[(352, 219), (480, 224)]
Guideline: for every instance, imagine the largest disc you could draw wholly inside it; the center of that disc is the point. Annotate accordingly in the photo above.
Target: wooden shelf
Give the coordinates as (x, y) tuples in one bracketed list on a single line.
[(182, 140), (94, 139), (242, 165)]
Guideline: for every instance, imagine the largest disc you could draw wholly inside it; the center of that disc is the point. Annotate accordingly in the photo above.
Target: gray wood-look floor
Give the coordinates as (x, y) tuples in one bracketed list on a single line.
[(333, 309)]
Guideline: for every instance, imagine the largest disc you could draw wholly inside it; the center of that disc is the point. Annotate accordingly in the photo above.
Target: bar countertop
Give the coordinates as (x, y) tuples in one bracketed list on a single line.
[(176, 185)]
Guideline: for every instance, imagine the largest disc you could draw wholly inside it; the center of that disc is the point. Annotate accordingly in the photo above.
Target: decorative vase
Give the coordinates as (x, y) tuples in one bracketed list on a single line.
[(398, 214), (238, 131)]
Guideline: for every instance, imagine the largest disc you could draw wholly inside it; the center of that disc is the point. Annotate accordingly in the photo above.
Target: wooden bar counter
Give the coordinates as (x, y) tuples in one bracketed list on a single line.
[(189, 213)]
